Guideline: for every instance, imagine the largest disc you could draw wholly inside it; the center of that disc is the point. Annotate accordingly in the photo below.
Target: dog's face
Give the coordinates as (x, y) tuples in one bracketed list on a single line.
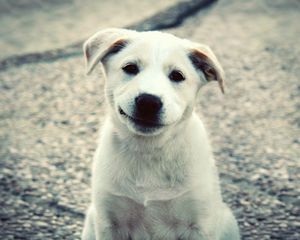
[(152, 78)]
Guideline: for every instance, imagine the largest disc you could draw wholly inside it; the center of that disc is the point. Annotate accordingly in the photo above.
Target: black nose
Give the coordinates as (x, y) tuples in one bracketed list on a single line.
[(147, 105)]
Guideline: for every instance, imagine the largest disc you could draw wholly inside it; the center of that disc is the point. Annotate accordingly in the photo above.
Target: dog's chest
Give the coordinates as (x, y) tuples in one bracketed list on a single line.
[(149, 177), (151, 196), (169, 219)]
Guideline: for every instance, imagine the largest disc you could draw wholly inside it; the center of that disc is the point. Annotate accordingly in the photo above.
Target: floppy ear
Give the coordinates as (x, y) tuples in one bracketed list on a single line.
[(104, 43), (205, 60)]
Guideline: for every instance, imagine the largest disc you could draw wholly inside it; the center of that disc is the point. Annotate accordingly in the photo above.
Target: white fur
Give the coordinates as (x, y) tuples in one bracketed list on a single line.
[(160, 184)]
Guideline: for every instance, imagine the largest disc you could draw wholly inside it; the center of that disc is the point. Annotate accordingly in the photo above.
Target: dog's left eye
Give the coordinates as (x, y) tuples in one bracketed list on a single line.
[(176, 76), (131, 68)]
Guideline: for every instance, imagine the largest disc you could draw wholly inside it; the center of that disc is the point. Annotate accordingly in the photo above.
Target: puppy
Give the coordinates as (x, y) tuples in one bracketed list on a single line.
[(154, 175)]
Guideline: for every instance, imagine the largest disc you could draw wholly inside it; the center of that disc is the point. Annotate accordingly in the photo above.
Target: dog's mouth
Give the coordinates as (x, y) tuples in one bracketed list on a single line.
[(141, 123)]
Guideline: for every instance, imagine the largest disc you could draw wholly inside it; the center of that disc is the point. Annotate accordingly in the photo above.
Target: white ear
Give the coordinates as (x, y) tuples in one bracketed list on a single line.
[(205, 60), (103, 43)]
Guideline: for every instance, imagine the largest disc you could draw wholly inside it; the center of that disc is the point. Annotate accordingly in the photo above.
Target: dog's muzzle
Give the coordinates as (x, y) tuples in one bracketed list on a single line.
[(147, 109)]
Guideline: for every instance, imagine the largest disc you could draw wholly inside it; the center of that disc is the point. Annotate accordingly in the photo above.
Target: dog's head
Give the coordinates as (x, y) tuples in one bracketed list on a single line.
[(152, 78)]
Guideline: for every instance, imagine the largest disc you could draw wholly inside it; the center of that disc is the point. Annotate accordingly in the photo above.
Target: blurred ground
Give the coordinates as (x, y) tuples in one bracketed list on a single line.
[(50, 114), (38, 25)]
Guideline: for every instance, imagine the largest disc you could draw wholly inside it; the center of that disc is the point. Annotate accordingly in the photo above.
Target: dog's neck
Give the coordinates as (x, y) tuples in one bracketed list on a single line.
[(185, 142), (170, 161)]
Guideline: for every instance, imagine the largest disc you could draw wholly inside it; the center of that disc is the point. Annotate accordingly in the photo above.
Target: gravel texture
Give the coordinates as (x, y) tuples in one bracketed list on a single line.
[(169, 17), (50, 114), (38, 25)]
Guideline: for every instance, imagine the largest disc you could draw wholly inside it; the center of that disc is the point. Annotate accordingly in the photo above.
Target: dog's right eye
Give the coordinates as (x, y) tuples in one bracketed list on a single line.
[(176, 76), (131, 68)]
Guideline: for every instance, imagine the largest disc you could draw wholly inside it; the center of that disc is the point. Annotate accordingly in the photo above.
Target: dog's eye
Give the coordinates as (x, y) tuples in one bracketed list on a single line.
[(176, 76), (131, 68)]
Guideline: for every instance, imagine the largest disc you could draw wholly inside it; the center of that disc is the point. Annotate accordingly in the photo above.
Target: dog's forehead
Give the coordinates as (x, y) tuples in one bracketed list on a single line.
[(155, 45), (158, 36), (158, 40)]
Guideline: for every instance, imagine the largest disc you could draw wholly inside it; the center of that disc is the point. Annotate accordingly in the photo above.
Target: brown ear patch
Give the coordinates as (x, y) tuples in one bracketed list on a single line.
[(115, 48), (204, 63)]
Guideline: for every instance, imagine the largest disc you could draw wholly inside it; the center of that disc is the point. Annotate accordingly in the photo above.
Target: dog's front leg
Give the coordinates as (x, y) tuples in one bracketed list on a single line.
[(89, 225), (119, 218), (116, 230), (95, 227), (104, 230)]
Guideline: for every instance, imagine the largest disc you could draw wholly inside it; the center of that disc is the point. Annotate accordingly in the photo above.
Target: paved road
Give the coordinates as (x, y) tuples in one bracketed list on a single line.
[(51, 113), (38, 25)]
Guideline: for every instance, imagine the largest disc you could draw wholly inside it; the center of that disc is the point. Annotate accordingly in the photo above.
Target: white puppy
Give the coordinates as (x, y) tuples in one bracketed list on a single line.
[(154, 175)]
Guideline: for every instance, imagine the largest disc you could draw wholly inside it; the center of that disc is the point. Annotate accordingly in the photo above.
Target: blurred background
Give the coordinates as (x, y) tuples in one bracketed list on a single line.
[(38, 25), (50, 112)]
